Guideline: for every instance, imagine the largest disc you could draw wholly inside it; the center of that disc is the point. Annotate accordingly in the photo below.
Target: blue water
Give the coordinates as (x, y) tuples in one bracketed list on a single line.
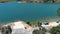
[(26, 11)]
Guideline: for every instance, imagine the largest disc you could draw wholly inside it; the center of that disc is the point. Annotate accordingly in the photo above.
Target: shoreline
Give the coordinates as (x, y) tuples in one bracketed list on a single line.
[(44, 19), (35, 24)]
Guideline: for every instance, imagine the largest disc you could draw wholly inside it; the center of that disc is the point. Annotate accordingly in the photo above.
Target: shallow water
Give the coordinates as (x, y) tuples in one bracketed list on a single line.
[(26, 11)]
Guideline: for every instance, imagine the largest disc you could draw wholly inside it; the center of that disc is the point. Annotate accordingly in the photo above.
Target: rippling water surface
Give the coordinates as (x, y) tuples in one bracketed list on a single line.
[(26, 11)]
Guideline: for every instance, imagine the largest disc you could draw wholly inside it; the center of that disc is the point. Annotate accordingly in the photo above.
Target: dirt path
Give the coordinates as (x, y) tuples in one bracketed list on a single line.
[(50, 25)]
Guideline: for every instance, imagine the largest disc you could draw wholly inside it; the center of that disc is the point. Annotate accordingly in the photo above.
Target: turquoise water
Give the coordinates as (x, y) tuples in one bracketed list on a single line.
[(26, 11)]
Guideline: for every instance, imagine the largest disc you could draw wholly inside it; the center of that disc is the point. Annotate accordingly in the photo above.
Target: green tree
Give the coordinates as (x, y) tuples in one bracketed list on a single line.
[(28, 23), (58, 12), (55, 30), (38, 32), (39, 23), (41, 30)]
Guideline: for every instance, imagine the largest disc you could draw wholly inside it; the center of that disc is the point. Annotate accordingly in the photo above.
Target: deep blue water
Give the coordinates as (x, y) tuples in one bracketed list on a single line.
[(26, 11)]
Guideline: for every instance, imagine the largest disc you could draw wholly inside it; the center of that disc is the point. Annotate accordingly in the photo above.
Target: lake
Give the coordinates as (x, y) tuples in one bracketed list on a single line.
[(26, 11)]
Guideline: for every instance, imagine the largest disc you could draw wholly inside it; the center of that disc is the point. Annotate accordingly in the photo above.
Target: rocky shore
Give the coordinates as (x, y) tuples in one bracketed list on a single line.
[(40, 1), (33, 1), (16, 28)]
